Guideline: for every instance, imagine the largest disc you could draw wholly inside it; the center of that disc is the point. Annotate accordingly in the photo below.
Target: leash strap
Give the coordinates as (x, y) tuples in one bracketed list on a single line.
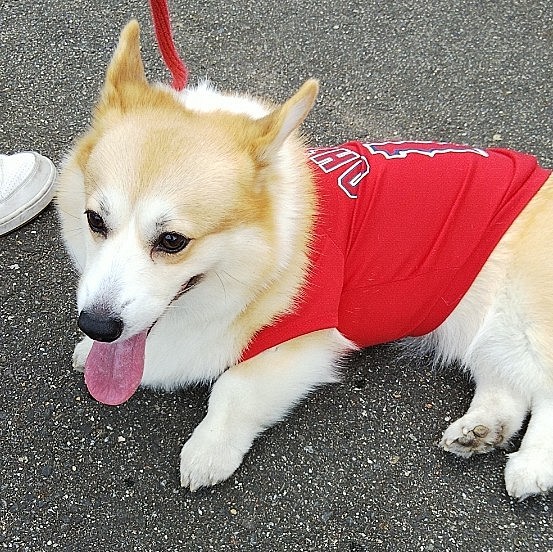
[(162, 27)]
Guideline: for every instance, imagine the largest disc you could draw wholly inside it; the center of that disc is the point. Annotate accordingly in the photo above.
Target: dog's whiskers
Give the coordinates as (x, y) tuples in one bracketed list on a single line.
[(69, 214)]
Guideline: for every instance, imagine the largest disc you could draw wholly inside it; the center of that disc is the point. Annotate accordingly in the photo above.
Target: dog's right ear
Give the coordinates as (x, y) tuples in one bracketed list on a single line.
[(280, 123), (125, 75)]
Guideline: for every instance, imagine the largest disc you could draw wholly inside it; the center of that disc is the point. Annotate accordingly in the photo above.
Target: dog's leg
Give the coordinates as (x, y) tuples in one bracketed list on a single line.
[(250, 397), (495, 415), (510, 362), (530, 470), (481, 334), (80, 354)]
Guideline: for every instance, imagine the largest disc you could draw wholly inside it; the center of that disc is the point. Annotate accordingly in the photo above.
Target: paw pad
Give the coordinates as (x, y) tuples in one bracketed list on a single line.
[(481, 431), (464, 438)]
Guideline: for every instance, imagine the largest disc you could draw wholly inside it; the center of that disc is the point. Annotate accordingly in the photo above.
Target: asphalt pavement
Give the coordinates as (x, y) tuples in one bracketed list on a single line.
[(355, 468)]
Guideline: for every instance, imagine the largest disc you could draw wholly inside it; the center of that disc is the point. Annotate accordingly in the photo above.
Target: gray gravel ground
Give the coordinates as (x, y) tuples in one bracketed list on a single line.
[(355, 468)]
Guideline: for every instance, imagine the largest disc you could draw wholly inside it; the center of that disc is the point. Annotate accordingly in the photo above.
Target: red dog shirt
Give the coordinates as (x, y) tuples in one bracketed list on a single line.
[(402, 231)]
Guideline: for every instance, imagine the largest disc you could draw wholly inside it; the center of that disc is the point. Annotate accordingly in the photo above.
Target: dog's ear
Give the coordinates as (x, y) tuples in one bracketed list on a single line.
[(125, 75), (280, 123)]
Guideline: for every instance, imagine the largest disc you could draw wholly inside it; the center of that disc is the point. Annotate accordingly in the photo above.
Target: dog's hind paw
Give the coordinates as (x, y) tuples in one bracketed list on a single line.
[(529, 472), (80, 354), (207, 458), (469, 435)]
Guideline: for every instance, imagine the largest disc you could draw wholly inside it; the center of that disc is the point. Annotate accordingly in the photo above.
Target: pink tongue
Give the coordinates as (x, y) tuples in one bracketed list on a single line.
[(113, 371)]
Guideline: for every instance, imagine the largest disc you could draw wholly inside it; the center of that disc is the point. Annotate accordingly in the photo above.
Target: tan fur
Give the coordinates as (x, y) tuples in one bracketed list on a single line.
[(530, 242)]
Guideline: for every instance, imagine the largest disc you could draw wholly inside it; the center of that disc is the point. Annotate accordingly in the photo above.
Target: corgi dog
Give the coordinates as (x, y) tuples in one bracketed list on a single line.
[(214, 246)]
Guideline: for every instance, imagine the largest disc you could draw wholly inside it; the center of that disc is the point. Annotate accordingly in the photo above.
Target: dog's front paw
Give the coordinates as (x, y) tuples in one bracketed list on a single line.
[(529, 472), (208, 458), (474, 434), (80, 354)]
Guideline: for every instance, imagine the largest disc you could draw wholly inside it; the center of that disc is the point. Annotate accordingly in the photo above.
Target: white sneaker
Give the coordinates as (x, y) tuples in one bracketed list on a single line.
[(26, 188)]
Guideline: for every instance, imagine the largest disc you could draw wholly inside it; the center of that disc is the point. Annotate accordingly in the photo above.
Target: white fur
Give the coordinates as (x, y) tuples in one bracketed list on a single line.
[(252, 396), (205, 98)]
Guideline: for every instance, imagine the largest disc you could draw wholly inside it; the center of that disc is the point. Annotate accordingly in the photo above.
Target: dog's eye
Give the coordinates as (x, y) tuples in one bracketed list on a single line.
[(96, 223), (171, 242)]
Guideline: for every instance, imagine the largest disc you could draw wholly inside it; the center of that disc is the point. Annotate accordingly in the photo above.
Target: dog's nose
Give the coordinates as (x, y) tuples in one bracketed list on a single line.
[(100, 327)]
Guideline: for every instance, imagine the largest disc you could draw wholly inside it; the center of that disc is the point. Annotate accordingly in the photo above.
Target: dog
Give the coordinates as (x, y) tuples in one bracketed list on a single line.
[(210, 249)]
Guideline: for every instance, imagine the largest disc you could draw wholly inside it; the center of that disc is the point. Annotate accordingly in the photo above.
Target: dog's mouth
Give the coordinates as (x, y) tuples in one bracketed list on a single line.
[(187, 286), (194, 281), (113, 371)]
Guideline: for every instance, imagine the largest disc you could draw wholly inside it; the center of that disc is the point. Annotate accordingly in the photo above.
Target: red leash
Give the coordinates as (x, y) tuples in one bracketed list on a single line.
[(162, 27)]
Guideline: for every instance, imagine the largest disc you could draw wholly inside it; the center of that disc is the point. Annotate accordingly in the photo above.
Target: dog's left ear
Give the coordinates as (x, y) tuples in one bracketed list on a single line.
[(280, 123)]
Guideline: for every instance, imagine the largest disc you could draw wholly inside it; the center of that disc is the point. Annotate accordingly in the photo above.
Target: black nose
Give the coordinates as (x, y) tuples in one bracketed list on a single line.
[(100, 326)]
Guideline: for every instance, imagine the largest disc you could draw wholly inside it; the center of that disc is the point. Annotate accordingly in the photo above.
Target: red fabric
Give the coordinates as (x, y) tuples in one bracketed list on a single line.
[(403, 229), (162, 27)]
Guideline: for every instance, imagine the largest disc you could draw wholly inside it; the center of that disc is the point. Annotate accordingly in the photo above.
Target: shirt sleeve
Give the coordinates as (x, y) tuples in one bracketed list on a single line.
[(316, 306)]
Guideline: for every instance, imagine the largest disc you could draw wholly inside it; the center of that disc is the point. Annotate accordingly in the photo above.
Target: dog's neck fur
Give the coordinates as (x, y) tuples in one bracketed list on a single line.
[(293, 215)]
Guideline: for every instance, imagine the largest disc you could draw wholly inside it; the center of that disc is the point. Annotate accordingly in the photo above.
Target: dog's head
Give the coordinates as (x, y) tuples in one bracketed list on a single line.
[(169, 201)]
